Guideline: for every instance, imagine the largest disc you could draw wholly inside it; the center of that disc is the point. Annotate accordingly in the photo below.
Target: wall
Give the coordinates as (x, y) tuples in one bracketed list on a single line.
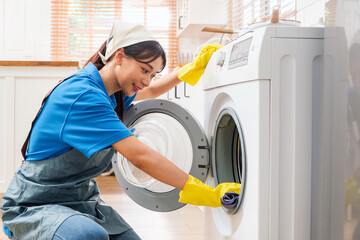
[(25, 29), (310, 12)]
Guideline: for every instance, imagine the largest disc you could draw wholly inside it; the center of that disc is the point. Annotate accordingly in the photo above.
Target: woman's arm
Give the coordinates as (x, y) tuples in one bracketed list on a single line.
[(158, 87), (193, 191), (151, 162), (190, 73)]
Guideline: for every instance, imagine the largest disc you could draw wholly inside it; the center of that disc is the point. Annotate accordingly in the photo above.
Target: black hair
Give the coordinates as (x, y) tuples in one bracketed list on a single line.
[(139, 51)]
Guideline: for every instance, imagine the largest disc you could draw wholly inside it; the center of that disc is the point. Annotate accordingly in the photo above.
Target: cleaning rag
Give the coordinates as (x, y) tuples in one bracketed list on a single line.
[(230, 200)]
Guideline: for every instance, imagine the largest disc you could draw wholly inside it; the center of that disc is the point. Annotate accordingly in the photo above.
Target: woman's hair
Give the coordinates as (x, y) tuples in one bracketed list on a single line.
[(140, 51)]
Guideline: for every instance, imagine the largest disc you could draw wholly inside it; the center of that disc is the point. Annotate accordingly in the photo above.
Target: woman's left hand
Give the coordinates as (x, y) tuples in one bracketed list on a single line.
[(191, 72)]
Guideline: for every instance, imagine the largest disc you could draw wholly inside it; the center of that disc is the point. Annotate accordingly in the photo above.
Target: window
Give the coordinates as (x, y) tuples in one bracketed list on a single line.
[(242, 13), (79, 27)]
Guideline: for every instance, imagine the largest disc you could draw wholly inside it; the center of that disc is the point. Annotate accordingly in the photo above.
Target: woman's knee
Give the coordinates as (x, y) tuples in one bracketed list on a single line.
[(80, 227)]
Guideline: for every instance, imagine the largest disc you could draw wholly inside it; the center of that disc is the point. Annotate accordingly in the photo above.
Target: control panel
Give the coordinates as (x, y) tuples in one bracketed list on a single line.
[(240, 53)]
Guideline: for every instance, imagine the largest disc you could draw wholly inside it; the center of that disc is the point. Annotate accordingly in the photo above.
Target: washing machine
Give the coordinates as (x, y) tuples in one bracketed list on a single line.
[(257, 132), (259, 87), (266, 98)]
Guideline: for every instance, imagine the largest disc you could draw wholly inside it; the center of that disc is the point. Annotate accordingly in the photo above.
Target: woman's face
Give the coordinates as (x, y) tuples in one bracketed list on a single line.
[(132, 75)]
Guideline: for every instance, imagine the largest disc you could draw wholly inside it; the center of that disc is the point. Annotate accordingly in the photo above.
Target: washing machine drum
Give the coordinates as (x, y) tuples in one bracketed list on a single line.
[(165, 135), (228, 152), (173, 132)]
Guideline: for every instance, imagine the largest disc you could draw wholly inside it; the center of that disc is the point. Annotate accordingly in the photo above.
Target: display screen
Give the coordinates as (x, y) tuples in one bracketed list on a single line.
[(240, 53)]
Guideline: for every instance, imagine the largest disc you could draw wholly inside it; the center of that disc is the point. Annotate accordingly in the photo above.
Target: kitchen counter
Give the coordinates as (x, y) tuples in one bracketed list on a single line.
[(40, 63)]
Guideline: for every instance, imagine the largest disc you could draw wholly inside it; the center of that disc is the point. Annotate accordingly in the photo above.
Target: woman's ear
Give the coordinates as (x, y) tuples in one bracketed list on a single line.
[(119, 56)]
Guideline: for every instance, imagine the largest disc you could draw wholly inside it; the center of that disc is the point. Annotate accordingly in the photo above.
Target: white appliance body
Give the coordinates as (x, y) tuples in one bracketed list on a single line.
[(265, 77)]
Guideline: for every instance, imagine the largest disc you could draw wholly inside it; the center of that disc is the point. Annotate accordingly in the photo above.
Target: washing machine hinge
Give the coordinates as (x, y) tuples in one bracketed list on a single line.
[(207, 146), (204, 166), (203, 147)]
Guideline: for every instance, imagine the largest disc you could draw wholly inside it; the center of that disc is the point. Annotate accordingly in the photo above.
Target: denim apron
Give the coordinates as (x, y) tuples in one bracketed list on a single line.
[(43, 194)]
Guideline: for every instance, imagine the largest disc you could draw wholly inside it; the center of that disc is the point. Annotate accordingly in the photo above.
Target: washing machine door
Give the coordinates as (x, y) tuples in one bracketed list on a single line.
[(228, 159), (172, 131)]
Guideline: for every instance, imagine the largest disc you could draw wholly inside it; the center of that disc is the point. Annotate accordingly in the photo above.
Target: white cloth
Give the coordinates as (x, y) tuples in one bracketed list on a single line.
[(124, 34)]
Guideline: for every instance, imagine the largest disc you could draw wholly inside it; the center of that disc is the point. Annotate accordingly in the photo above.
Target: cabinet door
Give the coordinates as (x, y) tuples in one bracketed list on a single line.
[(194, 15), (22, 89), (6, 131)]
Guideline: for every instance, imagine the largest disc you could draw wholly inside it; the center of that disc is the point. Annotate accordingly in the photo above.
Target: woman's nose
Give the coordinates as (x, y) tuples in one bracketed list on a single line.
[(146, 82)]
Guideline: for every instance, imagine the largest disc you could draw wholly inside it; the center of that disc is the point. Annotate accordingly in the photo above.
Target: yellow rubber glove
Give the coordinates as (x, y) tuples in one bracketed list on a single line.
[(191, 72), (198, 193)]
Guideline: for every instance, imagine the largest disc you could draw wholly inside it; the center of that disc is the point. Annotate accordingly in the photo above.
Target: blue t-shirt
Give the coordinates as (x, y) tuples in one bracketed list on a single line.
[(78, 114)]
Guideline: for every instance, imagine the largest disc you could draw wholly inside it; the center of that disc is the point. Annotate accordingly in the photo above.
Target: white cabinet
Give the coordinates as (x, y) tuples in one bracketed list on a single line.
[(23, 85), (189, 97), (194, 15)]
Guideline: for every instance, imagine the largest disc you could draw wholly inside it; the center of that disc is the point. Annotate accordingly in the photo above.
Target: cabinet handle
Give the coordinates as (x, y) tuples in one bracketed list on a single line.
[(185, 90), (176, 93), (179, 22)]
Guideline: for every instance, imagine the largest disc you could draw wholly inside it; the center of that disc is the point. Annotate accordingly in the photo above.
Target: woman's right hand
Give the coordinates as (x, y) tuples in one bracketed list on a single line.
[(198, 193)]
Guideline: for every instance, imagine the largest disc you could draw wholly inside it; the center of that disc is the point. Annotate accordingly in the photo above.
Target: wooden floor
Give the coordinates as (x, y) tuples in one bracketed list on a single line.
[(183, 224)]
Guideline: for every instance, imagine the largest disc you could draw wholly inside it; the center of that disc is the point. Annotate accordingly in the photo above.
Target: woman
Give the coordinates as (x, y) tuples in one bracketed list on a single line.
[(53, 194)]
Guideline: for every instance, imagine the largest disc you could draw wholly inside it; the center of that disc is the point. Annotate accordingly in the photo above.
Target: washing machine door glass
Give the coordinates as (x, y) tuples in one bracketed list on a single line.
[(173, 132)]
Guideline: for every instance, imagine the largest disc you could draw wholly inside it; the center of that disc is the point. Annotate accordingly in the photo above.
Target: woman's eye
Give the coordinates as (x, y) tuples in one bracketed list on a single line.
[(145, 71)]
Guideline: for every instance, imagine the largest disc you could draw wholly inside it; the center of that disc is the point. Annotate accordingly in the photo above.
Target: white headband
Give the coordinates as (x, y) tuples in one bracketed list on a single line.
[(124, 34)]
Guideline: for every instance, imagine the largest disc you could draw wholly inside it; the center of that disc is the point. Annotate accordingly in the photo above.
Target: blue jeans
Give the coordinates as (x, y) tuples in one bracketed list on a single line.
[(78, 227)]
